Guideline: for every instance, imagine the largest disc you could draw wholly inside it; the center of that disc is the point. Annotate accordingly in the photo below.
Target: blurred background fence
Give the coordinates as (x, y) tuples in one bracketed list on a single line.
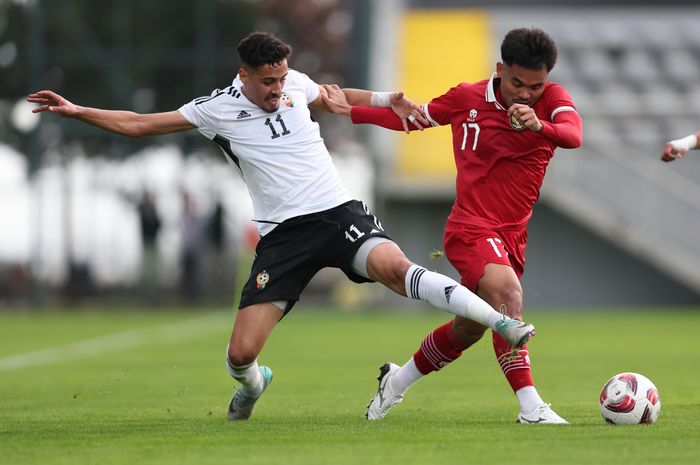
[(91, 216)]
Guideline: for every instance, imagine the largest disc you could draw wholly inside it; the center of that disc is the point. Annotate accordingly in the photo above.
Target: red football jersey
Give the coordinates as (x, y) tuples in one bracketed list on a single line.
[(500, 165)]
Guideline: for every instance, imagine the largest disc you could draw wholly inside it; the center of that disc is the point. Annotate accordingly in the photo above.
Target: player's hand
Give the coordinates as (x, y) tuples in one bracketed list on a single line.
[(51, 101), (525, 116), (409, 112), (671, 153), (335, 100)]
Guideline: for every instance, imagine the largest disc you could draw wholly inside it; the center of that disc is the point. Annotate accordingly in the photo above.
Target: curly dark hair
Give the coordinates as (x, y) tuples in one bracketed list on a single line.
[(262, 48), (530, 48)]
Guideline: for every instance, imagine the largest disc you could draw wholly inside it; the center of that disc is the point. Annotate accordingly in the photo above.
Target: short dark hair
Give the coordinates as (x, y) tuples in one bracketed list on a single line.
[(262, 48), (530, 48)]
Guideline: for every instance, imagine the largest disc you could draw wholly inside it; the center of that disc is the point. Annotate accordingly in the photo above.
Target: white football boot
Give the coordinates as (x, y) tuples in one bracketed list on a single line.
[(241, 405), (541, 415), (385, 398), (516, 332)]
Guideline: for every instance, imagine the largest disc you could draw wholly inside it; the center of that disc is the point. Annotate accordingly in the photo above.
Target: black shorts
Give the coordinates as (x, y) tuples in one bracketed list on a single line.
[(291, 254)]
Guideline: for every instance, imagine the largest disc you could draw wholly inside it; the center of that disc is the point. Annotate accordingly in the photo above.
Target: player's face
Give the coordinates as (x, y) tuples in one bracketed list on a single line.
[(263, 86), (521, 85)]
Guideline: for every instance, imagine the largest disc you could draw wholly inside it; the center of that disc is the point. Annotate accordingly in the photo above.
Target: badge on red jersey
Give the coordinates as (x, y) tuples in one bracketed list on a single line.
[(515, 124)]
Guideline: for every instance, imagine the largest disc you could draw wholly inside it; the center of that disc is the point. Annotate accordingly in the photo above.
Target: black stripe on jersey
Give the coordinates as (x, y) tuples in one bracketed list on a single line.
[(226, 147), (233, 92), (206, 99)]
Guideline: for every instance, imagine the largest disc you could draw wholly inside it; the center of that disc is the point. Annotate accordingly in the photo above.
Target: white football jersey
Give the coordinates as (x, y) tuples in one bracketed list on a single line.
[(281, 156)]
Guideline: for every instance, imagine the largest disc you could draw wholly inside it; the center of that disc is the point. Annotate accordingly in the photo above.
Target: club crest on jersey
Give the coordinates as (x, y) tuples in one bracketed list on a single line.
[(287, 100), (262, 279), (472, 114), (515, 124)]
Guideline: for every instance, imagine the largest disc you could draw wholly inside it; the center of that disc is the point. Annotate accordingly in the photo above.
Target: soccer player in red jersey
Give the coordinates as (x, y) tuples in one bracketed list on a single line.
[(504, 132)]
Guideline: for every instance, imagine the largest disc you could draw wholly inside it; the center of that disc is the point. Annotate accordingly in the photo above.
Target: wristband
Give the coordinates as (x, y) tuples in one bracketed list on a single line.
[(381, 99), (686, 143)]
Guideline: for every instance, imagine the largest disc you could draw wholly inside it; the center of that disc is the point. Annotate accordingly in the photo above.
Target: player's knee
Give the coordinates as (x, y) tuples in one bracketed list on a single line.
[(510, 301), (390, 269), (239, 355)]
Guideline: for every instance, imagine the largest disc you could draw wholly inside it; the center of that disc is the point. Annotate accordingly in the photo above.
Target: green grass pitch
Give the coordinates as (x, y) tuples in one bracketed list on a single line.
[(126, 387)]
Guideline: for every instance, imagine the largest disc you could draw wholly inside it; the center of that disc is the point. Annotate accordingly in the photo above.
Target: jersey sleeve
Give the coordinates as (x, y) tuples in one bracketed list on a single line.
[(563, 125), (203, 113), (311, 89), (439, 109), (558, 100), (384, 117)]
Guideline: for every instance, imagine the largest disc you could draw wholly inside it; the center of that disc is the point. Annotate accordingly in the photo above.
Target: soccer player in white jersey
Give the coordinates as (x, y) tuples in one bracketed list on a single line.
[(306, 219), (677, 148)]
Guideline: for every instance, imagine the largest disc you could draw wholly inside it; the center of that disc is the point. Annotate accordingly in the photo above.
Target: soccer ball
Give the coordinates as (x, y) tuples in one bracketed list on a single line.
[(630, 399)]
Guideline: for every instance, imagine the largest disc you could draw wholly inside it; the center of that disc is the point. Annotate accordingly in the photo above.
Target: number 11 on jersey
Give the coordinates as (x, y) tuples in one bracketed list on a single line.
[(275, 134)]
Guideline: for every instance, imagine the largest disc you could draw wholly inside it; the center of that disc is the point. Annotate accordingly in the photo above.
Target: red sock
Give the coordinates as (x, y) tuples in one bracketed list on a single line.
[(439, 348), (515, 363)]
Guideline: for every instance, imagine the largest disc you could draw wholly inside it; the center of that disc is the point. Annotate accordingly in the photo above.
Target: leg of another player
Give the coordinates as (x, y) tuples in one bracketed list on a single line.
[(501, 287), (387, 264), (251, 330)]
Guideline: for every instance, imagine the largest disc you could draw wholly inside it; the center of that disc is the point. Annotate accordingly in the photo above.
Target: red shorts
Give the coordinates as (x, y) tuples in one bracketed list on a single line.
[(469, 248)]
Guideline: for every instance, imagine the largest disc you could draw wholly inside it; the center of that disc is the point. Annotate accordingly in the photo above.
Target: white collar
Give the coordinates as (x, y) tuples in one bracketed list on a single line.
[(491, 93)]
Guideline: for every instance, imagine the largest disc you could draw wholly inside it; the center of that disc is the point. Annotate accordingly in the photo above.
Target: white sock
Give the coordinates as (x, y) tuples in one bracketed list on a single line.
[(248, 375), (447, 294), (405, 377), (529, 398)]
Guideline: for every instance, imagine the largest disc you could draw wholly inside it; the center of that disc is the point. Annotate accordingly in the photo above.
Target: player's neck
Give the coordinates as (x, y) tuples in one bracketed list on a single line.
[(497, 92)]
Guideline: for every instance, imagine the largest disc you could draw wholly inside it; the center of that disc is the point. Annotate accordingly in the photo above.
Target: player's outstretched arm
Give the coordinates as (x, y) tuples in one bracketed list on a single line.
[(677, 148), (342, 101), (126, 123)]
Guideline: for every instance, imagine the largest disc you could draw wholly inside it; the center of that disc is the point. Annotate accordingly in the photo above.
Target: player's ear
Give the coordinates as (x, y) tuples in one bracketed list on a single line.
[(243, 74), (499, 69)]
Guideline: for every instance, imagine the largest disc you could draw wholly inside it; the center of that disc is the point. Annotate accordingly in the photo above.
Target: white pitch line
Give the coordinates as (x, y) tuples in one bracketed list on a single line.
[(124, 340)]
